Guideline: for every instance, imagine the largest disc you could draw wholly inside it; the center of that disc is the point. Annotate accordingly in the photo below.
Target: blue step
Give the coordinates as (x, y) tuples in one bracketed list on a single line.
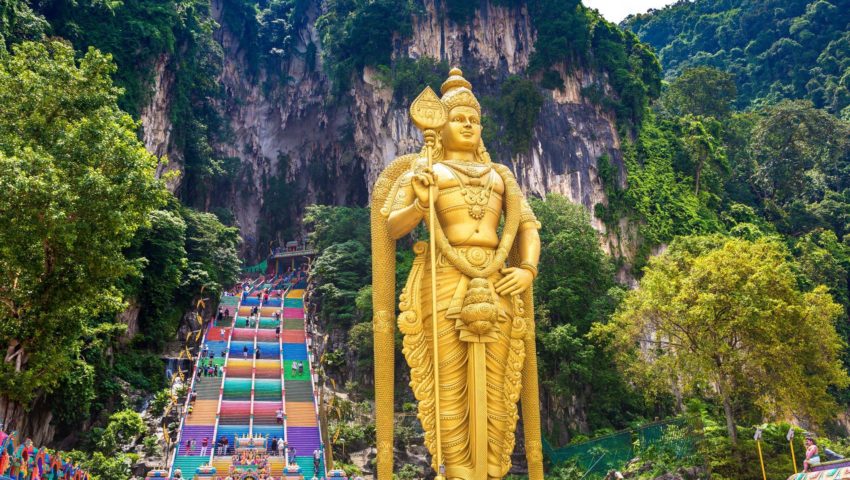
[(295, 351)]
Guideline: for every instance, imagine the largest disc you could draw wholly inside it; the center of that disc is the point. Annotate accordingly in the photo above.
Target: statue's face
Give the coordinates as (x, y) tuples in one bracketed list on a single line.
[(463, 130)]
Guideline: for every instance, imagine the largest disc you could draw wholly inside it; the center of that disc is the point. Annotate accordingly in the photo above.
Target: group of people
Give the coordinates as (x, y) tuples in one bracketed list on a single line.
[(257, 354), (25, 462), (223, 313), (297, 367), (208, 367), (191, 444)]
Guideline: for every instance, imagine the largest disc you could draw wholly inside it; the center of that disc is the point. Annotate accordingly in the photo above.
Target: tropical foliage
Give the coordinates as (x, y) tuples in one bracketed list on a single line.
[(775, 49)]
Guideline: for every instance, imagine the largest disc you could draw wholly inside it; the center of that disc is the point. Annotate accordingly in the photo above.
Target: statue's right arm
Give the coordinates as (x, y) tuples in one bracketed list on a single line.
[(405, 213)]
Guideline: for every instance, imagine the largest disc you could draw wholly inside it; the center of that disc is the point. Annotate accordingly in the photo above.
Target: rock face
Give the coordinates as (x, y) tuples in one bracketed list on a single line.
[(34, 421), (332, 151)]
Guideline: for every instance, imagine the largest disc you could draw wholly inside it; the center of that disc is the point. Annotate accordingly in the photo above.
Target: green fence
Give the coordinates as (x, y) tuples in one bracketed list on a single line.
[(613, 452), (258, 268)]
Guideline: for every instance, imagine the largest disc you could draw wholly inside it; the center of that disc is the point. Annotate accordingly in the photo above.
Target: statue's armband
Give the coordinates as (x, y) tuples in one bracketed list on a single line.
[(527, 219), (401, 195)]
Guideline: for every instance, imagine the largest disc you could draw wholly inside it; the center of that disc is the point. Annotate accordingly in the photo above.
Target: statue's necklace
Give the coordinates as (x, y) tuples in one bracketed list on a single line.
[(475, 195)]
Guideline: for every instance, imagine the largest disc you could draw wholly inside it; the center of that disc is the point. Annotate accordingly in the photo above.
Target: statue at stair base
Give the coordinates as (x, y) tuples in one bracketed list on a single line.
[(467, 310)]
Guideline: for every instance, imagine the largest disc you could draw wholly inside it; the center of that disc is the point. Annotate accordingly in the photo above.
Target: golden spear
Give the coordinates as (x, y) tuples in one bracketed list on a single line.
[(429, 115)]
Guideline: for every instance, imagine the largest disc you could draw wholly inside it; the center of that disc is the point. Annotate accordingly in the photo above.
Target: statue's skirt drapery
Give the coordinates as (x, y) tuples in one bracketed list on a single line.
[(473, 360)]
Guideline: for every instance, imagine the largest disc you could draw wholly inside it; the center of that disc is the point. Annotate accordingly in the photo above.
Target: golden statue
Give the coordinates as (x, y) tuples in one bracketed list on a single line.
[(483, 336)]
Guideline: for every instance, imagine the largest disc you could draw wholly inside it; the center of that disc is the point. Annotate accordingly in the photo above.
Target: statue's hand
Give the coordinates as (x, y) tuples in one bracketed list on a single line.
[(422, 182), (514, 282)]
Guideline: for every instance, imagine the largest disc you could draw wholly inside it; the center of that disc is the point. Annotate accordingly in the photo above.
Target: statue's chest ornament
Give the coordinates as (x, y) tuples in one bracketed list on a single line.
[(474, 189)]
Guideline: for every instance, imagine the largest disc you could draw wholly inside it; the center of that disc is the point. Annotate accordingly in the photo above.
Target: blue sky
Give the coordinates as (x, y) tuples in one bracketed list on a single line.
[(616, 10)]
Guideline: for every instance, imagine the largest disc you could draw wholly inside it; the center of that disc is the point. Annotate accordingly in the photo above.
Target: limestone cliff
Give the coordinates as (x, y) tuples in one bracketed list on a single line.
[(284, 127)]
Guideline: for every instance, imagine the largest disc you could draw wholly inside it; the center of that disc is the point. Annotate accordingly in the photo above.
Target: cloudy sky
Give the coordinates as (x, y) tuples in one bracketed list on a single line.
[(616, 10)]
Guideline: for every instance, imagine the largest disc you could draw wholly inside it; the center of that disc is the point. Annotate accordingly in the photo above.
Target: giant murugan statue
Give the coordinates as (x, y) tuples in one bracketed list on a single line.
[(472, 361)]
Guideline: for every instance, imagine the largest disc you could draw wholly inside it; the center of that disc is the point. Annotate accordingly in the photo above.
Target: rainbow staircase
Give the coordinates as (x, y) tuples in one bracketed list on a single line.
[(302, 425), (257, 381)]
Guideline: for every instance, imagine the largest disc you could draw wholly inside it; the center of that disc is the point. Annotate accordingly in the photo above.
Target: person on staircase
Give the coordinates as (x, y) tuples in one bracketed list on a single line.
[(205, 443), (245, 350), (281, 445)]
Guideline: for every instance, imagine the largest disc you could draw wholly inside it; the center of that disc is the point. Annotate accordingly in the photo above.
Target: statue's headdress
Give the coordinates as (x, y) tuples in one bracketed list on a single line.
[(457, 91)]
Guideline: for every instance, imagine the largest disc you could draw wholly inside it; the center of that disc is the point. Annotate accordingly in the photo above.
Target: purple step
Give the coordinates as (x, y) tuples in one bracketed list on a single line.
[(197, 433), (304, 439)]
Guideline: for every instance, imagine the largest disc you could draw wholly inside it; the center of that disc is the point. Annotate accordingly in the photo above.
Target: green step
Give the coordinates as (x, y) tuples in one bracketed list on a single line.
[(207, 388), (188, 464), (287, 373), (293, 324), (306, 464), (237, 389), (269, 323), (293, 303), (299, 391), (267, 390), (228, 301)]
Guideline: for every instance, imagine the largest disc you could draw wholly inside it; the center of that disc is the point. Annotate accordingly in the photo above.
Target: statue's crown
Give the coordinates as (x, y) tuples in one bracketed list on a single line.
[(457, 91)]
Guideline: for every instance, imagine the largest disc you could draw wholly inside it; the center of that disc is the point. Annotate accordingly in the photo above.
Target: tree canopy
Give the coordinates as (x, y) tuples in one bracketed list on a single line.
[(76, 186), (775, 49), (714, 315)]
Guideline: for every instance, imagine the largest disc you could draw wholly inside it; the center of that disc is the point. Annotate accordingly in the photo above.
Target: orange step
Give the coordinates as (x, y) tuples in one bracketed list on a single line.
[(276, 465), (203, 413), (300, 414)]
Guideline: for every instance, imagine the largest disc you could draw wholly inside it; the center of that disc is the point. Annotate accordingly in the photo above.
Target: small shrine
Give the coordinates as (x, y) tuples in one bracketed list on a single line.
[(250, 460)]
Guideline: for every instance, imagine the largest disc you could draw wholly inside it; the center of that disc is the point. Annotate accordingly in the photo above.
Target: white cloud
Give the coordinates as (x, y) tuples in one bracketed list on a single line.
[(616, 10)]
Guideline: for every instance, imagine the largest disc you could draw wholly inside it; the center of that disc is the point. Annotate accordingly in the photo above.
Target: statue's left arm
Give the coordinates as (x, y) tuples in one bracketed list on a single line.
[(519, 277)]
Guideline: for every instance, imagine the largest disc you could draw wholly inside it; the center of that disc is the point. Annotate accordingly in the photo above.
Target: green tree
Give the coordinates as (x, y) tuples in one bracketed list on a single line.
[(161, 246), (575, 290), (774, 49), (18, 22), (330, 224), (714, 315), (76, 185), (359, 33), (516, 109), (701, 141), (340, 272), (211, 249), (789, 143), (701, 91), (124, 427)]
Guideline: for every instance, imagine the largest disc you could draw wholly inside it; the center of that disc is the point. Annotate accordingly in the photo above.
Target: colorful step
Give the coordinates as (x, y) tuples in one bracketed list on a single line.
[(299, 391), (293, 303), (188, 464), (197, 435), (293, 324), (289, 374)]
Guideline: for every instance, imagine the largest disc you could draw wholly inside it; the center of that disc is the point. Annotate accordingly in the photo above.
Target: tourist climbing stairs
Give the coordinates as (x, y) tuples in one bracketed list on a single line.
[(257, 380)]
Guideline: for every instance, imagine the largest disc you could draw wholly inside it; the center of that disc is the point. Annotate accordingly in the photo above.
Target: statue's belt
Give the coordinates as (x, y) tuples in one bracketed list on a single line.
[(476, 256)]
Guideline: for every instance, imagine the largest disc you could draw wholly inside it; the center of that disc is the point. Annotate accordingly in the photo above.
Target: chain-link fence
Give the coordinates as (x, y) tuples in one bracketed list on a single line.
[(613, 452)]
